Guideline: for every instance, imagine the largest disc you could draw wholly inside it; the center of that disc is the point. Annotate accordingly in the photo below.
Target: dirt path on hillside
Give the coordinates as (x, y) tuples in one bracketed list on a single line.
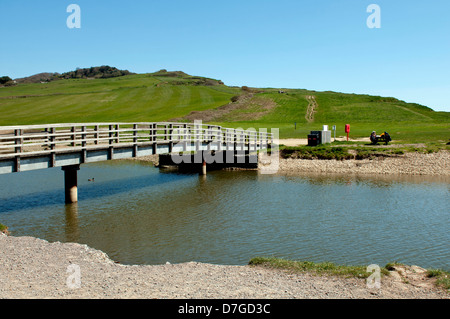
[(312, 108), (246, 107)]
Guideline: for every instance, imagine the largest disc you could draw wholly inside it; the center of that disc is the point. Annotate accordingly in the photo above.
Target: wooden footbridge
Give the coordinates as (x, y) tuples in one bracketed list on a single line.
[(31, 147)]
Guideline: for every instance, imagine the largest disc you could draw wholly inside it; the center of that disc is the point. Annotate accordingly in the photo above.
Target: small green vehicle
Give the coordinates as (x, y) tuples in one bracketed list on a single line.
[(383, 138)]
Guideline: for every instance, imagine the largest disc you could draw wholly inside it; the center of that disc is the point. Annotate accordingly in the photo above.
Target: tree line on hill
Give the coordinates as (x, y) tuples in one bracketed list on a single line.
[(97, 72)]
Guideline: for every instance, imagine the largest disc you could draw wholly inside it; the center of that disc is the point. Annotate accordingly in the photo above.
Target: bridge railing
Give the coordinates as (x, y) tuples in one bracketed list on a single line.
[(50, 138)]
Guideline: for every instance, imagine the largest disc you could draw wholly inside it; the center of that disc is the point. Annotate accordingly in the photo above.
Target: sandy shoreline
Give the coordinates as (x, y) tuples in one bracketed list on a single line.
[(35, 268)]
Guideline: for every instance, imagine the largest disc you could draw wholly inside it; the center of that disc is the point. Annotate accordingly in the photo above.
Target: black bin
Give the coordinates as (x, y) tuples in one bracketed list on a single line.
[(313, 140), (319, 136)]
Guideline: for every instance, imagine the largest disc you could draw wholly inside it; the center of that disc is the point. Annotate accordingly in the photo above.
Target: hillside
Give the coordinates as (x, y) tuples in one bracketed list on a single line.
[(140, 97), (37, 78), (177, 96)]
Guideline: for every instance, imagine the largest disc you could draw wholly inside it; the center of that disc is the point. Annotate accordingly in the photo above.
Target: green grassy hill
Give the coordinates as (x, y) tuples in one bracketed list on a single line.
[(177, 96), (404, 121), (141, 97)]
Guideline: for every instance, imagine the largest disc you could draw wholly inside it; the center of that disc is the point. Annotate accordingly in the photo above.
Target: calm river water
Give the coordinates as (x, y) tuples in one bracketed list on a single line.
[(139, 215)]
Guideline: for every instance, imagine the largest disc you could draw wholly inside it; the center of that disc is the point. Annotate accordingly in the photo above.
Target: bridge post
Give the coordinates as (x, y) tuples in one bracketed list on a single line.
[(73, 130), (71, 183), (135, 140)]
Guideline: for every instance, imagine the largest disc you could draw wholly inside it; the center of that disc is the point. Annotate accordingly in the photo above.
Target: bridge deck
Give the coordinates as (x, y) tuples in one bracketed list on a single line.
[(24, 148)]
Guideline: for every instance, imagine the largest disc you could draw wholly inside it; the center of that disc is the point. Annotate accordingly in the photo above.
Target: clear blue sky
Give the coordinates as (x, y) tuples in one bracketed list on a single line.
[(313, 44)]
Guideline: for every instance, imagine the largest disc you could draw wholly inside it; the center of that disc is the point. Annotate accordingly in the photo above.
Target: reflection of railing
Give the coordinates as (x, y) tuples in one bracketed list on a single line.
[(50, 138)]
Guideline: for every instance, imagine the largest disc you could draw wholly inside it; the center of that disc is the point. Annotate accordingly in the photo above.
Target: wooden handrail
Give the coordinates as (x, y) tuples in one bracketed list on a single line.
[(48, 138)]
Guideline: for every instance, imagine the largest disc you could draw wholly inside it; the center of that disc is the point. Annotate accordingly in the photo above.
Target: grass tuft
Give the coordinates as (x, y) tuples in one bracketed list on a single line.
[(4, 229), (442, 277), (325, 268)]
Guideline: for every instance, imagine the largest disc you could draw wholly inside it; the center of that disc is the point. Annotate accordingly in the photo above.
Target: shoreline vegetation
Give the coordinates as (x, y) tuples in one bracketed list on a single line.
[(357, 151), (441, 277), (36, 268), (4, 229)]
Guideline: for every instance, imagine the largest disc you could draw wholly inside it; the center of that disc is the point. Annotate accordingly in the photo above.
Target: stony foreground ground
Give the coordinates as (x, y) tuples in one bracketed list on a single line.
[(433, 164), (35, 268)]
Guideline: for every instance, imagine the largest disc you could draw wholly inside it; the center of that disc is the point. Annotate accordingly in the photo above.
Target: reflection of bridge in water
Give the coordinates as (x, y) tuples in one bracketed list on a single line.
[(31, 147)]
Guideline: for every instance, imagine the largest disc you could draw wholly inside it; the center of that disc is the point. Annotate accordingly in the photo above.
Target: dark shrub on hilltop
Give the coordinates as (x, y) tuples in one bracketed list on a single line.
[(97, 72), (5, 79)]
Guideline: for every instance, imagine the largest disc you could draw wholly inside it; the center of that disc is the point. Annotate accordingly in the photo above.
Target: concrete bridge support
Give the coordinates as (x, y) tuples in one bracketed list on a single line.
[(71, 183), (204, 161)]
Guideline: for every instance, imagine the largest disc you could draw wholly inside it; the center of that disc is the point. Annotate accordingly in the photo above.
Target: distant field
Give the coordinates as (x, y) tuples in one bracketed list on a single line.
[(173, 96)]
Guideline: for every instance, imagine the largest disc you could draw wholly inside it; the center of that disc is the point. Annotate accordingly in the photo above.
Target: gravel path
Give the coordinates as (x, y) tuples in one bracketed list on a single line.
[(35, 268)]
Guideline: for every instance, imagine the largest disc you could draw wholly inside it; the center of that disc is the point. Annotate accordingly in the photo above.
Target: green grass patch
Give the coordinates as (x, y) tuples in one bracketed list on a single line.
[(3, 228), (428, 148), (442, 277), (324, 268), (356, 150), (317, 152), (348, 143), (329, 151), (331, 269)]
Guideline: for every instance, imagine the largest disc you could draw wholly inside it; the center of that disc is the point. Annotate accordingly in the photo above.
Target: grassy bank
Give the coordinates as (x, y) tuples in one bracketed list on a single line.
[(358, 150), (442, 277), (325, 268), (319, 152)]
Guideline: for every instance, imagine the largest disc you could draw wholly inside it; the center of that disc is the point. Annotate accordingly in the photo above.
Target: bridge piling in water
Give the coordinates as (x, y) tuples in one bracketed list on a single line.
[(203, 161), (71, 183), (204, 168)]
